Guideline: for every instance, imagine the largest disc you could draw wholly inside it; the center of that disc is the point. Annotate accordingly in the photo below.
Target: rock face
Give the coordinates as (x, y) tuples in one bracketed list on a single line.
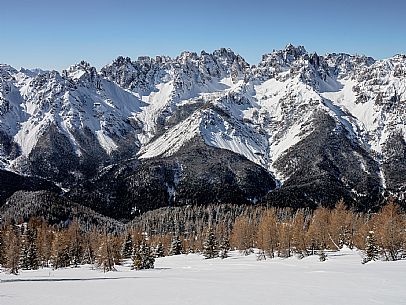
[(297, 129), (196, 174)]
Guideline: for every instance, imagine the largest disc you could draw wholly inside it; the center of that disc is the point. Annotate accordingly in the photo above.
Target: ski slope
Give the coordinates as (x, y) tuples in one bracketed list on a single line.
[(189, 279)]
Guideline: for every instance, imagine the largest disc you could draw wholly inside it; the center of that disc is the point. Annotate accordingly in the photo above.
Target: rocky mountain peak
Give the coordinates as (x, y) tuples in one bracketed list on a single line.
[(82, 72), (312, 122)]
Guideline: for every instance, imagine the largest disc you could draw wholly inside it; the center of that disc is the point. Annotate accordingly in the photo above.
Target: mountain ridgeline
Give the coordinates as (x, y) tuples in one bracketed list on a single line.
[(297, 130)]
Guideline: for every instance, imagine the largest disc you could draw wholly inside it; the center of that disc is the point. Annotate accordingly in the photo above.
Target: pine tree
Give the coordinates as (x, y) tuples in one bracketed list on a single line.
[(143, 257), (137, 258), (159, 250), (149, 257), (29, 253), (127, 247), (371, 249), (176, 246), (224, 247), (24, 256), (210, 246)]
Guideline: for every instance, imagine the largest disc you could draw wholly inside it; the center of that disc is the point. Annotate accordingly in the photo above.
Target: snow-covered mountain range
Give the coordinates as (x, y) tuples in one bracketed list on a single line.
[(296, 129)]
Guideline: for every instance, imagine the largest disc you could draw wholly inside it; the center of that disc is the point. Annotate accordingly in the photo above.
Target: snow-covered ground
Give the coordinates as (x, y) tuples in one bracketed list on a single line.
[(189, 279)]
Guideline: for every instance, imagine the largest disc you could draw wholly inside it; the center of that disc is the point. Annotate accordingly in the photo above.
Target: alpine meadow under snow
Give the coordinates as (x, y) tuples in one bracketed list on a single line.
[(189, 279)]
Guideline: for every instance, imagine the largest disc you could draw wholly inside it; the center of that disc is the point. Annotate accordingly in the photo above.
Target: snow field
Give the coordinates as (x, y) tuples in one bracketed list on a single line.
[(190, 279)]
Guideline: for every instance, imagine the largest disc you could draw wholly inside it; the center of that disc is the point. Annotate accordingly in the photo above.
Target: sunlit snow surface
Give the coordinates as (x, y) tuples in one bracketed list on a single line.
[(189, 279)]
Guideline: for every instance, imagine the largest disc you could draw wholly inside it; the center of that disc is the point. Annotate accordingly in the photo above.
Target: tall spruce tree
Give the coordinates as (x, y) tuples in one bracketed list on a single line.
[(159, 250), (210, 246), (127, 247), (176, 246), (143, 257), (371, 248), (29, 254), (224, 247)]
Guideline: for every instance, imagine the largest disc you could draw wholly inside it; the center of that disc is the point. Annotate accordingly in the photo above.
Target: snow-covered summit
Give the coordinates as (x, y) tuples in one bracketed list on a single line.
[(300, 116)]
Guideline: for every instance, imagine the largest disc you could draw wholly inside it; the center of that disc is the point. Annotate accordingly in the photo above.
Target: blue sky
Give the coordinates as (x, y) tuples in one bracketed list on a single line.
[(55, 34)]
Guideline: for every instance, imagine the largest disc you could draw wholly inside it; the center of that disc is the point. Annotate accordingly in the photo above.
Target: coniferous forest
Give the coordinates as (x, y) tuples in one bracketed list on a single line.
[(211, 230)]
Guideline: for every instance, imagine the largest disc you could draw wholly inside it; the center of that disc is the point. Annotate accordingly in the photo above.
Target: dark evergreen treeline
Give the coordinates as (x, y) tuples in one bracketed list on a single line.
[(11, 182), (212, 230), (54, 209)]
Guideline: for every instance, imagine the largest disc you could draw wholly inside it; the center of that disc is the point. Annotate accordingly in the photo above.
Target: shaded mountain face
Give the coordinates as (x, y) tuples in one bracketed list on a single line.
[(297, 129), (196, 174), (12, 182)]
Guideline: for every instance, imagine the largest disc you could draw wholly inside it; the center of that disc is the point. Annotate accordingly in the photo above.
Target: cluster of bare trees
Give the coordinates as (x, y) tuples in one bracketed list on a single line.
[(279, 232), (286, 232), (37, 244)]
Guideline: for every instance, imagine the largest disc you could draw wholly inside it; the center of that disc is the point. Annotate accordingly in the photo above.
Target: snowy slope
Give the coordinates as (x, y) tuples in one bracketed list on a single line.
[(189, 279)]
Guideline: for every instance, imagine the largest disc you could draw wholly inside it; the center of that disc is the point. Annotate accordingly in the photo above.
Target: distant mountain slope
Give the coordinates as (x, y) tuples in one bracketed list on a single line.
[(196, 174)]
